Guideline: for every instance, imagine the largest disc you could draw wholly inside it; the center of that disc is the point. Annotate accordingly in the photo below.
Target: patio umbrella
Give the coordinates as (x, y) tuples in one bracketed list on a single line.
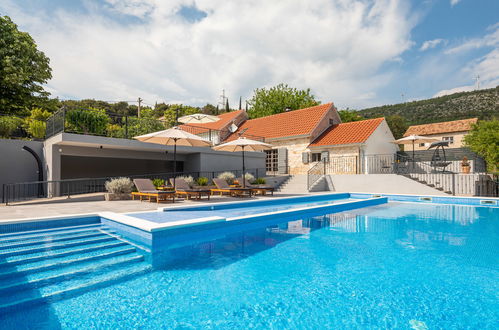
[(198, 118), (411, 139), (174, 136), (243, 144)]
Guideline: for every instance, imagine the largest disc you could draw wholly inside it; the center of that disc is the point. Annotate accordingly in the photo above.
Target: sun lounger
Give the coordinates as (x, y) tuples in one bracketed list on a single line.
[(183, 188), (148, 190), (262, 189), (223, 187)]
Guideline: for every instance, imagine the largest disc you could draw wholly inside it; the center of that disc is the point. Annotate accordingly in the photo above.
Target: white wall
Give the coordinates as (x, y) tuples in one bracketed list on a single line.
[(380, 142)]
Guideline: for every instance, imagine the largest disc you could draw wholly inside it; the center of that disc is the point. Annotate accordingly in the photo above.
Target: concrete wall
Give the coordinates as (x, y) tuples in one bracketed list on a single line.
[(76, 156), (17, 165)]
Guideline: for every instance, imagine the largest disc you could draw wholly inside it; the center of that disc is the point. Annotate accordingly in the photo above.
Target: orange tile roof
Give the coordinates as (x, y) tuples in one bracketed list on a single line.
[(292, 123), (347, 133), (225, 119), (443, 127)]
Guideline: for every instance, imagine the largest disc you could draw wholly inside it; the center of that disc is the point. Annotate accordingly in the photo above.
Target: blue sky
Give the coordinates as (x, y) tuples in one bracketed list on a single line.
[(356, 53)]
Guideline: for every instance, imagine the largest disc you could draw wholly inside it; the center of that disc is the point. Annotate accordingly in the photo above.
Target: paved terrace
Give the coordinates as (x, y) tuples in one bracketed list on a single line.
[(93, 203)]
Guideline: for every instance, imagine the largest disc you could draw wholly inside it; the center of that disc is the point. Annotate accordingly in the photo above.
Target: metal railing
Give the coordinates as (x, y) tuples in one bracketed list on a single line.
[(122, 126), (16, 192)]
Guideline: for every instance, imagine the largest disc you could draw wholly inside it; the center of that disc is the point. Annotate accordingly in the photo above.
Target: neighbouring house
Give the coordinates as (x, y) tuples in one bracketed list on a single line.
[(450, 131), (302, 138), (220, 130)]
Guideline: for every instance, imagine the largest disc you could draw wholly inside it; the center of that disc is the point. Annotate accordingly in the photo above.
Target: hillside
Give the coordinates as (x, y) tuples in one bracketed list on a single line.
[(483, 104)]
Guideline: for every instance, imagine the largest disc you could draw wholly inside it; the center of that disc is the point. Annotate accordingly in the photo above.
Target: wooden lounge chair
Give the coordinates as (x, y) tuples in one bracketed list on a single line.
[(148, 190), (223, 187), (183, 188), (258, 189)]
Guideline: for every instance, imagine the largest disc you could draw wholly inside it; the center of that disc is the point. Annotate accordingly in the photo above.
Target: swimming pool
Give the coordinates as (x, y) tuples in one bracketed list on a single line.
[(403, 265)]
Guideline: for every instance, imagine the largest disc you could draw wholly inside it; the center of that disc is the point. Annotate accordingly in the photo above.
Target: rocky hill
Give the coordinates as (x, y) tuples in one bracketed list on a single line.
[(483, 104)]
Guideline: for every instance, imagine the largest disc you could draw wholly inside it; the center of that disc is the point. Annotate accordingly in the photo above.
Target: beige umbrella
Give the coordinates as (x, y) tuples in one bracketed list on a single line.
[(174, 136), (198, 118), (411, 139), (243, 144)]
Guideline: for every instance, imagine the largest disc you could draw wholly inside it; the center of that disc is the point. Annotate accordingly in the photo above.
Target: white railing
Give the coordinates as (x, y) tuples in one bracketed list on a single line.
[(476, 184)]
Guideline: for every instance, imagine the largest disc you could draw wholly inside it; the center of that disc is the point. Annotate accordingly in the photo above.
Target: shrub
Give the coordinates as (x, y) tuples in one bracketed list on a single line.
[(227, 176), (158, 182), (115, 131), (260, 181), (189, 179), (92, 121), (8, 125), (249, 177), (119, 186), (37, 129), (202, 181)]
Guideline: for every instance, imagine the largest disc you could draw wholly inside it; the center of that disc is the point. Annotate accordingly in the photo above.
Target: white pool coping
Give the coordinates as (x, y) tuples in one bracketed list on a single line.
[(150, 226)]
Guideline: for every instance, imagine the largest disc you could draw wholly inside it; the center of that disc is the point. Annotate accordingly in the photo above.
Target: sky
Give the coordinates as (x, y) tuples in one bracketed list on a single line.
[(355, 53)]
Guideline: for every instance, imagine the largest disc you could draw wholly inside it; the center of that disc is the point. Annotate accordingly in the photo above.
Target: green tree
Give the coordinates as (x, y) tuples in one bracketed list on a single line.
[(349, 115), (276, 99), (484, 140), (8, 124), (397, 124), (209, 109), (183, 110), (147, 123), (23, 69), (88, 121)]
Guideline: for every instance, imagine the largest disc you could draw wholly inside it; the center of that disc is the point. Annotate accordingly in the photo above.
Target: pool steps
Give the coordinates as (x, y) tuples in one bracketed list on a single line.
[(50, 264)]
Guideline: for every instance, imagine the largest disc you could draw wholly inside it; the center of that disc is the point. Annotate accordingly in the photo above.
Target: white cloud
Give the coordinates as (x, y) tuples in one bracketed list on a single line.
[(335, 47), (454, 2), (429, 44), (486, 66)]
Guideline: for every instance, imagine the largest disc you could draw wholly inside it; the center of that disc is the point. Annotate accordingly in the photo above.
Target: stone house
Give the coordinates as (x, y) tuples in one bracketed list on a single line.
[(302, 138), (450, 131)]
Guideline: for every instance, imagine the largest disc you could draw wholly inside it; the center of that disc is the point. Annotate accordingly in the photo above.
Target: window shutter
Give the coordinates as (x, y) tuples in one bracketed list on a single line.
[(325, 156), (282, 160), (305, 157)]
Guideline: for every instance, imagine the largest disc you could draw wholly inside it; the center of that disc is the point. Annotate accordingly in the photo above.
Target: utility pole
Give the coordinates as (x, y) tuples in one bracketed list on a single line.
[(139, 100), (477, 79), (223, 99)]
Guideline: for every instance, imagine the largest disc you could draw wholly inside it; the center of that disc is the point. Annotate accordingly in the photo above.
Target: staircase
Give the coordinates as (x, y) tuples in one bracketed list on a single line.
[(436, 184), (296, 184), (51, 264)]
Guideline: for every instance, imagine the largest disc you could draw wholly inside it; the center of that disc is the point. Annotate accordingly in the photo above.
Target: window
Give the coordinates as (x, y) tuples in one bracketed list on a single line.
[(316, 157), (449, 139), (422, 144), (271, 163)]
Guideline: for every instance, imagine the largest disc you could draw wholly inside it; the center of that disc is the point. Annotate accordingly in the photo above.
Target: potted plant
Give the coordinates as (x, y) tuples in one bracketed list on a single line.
[(118, 189), (465, 165)]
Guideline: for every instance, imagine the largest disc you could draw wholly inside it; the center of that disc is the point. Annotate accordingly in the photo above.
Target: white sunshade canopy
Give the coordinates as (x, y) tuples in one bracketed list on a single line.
[(415, 139), (198, 118), (174, 136), (243, 144)]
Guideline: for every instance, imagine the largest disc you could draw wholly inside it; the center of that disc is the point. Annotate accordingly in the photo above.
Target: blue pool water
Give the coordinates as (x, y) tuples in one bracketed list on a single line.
[(239, 211), (398, 265)]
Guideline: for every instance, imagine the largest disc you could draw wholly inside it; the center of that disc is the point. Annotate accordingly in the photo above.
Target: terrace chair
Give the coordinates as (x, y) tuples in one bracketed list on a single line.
[(262, 189), (146, 189), (223, 187), (183, 188)]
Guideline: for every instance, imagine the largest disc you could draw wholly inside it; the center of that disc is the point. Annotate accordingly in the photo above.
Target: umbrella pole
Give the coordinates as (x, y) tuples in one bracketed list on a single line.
[(174, 163), (244, 169)]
